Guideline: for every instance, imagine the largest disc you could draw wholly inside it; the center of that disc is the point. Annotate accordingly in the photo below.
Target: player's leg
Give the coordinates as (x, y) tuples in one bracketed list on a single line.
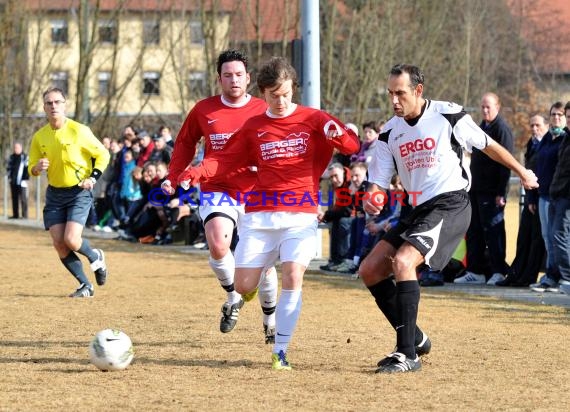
[(376, 272), (298, 247), (404, 264), (434, 229), (77, 214), (70, 260), (55, 221), (268, 286), (219, 229)]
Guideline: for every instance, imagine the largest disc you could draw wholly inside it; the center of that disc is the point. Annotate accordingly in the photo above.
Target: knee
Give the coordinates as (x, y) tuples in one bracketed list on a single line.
[(218, 249), (73, 243), (401, 265), (244, 285), (366, 271)]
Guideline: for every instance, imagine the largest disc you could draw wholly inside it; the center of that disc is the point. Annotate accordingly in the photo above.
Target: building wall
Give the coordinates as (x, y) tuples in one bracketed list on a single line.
[(175, 57)]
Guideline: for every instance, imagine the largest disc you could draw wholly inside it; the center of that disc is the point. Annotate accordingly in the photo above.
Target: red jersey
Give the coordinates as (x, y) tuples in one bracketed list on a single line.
[(216, 121), (291, 153)]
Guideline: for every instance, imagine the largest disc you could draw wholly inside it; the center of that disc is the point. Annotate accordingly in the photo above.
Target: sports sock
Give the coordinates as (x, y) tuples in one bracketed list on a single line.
[(268, 296), (385, 293), (75, 267), (86, 250), (287, 315), (224, 269), (407, 304)]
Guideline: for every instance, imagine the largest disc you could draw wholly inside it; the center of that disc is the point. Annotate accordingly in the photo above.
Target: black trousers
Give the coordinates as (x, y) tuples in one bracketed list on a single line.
[(19, 197)]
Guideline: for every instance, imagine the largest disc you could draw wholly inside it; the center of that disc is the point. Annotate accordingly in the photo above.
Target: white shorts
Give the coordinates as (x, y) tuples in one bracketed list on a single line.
[(220, 204), (265, 237)]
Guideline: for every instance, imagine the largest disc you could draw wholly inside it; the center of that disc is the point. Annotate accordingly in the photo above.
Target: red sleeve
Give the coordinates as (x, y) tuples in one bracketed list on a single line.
[(348, 143), (236, 154), (185, 145)]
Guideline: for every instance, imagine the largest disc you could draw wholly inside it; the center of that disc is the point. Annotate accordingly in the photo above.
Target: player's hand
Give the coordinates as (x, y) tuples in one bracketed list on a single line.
[(332, 130), (42, 165), (87, 184), (188, 178), (374, 203), (167, 188), (529, 180)]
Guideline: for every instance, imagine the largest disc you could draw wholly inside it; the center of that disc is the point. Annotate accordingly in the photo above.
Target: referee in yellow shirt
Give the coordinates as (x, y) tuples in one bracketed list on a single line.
[(74, 159)]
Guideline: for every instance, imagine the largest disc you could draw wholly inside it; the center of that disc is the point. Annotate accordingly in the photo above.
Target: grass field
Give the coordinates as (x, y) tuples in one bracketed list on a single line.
[(487, 354)]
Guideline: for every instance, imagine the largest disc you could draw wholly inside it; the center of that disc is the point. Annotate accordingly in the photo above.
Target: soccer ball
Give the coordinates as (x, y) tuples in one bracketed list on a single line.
[(111, 350)]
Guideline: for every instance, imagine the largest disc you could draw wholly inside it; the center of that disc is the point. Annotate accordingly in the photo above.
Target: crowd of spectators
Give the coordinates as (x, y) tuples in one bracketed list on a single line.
[(128, 199)]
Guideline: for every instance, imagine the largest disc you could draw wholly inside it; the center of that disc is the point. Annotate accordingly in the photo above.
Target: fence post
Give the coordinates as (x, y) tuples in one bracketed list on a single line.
[(5, 196), (38, 196)]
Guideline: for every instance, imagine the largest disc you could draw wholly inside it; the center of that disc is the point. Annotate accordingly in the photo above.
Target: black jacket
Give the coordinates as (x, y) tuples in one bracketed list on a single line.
[(489, 176), (560, 186), (18, 168)]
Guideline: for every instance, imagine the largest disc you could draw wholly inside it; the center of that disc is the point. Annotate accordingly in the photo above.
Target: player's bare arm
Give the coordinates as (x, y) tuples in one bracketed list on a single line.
[(498, 153)]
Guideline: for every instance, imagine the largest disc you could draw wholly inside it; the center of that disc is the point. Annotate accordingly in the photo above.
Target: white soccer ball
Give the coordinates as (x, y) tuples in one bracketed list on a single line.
[(111, 350)]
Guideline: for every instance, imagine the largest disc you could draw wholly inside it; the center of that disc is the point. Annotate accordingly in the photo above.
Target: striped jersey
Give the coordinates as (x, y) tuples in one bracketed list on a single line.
[(216, 120), (427, 152)]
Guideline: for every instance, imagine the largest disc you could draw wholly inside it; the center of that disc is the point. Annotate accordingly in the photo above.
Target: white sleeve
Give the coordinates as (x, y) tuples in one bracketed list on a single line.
[(470, 135), (381, 168)]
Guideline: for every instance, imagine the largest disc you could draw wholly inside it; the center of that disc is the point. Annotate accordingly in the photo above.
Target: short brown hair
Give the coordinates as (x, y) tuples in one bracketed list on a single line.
[(274, 73)]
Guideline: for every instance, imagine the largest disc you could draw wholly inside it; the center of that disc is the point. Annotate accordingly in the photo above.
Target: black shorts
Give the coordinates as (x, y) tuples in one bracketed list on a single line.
[(435, 227), (67, 204)]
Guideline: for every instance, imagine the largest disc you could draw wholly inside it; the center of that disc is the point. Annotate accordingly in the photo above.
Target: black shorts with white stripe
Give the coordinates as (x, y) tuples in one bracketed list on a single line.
[(435, 227)]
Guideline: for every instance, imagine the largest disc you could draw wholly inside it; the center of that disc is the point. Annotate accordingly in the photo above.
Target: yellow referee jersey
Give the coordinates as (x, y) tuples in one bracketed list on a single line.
[(73, 152)]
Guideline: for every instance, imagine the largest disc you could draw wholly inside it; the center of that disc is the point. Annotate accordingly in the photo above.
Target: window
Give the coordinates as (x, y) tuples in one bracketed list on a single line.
[(151, 83), (151, 32), (197, 85), (104, 83), (59, 31), (108, 32), (196, 33), (60, 80)]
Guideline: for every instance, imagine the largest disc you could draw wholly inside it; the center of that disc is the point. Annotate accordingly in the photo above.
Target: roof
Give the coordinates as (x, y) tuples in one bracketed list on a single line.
[(269, 20), (276, 20), (546, 29), (132, 5)]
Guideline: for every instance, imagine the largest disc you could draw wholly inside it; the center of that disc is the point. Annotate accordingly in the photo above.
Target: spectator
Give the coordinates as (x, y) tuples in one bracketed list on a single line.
[(161, 152), (358, 232), (547, 159), (488, 196), (146, 148), (366, 148), (18, 177), (339, 215), (530, 252), (560, 209), (166, 134)]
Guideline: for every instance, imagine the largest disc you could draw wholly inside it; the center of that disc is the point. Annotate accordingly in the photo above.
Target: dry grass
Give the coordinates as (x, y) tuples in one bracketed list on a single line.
[(487, 355)]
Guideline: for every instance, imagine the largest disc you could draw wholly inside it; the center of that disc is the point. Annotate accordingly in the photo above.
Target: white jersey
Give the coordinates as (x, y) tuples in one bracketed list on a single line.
[(427, 152)]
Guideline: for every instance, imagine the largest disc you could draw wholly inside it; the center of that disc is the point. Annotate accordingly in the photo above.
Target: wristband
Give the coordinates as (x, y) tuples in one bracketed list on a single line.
[(95, 174)]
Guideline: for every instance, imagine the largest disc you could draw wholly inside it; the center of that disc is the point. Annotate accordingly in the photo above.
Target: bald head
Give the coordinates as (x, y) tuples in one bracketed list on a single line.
[(490, 106)]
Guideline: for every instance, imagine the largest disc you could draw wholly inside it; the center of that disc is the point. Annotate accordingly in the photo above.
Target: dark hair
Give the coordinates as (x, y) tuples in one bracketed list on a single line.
[(416, 75), (370, 125), (557, 105), (567, 107), (54, 90), (275, 72), (231, 56)]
